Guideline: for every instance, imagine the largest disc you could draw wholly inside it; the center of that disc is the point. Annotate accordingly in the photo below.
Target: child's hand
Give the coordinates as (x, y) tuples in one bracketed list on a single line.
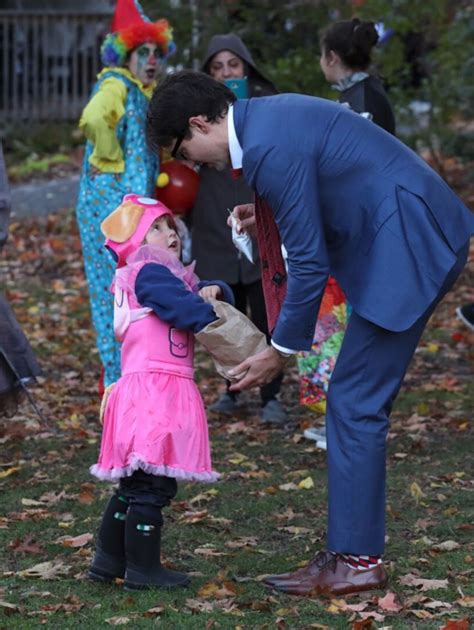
[(213, 291)]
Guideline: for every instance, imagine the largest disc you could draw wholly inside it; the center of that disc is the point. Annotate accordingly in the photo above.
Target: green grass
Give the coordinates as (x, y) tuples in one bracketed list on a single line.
[(430, 444)]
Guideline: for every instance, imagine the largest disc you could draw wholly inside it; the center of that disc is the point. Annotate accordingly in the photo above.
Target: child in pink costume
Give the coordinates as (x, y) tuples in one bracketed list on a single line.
[(155, 426)]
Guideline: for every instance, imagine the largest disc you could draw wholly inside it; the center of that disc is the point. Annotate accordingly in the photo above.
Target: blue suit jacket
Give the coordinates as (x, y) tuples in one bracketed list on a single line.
[(351, 200)]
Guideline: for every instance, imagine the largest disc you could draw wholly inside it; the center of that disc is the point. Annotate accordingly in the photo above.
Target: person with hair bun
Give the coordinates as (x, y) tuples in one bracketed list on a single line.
[(346, 49)]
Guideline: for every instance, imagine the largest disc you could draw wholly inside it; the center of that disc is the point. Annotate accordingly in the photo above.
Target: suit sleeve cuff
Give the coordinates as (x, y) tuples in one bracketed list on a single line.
[(283, 350)]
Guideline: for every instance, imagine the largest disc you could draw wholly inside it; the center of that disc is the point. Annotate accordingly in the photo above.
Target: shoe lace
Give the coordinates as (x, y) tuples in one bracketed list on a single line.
[(326, 560)]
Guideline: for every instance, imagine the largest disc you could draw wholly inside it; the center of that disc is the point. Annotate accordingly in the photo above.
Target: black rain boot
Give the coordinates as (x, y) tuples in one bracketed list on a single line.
[(142, 548), (109, 558)]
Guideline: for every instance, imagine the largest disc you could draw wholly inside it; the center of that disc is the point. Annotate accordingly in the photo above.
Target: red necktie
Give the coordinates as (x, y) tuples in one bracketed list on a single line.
[(235, 173)]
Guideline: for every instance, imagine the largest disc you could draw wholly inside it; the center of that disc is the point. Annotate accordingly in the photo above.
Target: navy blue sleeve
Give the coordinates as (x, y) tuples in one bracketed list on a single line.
[(157, 288), (227, 293)]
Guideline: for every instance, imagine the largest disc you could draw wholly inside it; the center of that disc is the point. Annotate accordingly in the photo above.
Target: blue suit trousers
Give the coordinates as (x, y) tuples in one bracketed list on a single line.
[(367, 377)]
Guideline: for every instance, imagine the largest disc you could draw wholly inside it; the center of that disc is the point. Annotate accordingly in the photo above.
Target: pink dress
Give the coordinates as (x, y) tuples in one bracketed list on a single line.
[(155, 418)]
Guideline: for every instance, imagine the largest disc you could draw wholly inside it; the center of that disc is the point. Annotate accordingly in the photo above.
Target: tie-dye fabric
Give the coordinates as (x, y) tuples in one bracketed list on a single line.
[(101, 193), (316, 366)]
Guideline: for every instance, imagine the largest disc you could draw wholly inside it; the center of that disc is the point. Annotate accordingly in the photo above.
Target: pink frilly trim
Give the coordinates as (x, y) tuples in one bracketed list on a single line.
[(137, 462), (125, 277)]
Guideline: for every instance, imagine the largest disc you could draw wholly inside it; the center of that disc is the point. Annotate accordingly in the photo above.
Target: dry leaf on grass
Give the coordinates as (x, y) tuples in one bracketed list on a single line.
[(416, 492), (217, 591), (389, 603), (118, 621), (9, 609), (447, 545), (457, 624), (154, 612), (74, 541), (306, 484), (209, 552), (422, 583), (197, 605), (46, 571)]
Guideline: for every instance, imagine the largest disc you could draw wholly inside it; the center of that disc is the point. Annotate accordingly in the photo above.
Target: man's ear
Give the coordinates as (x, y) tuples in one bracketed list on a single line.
[(199, 123)]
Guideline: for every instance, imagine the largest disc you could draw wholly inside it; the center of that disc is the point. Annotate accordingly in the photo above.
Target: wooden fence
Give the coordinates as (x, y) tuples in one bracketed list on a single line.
[(48, 63)]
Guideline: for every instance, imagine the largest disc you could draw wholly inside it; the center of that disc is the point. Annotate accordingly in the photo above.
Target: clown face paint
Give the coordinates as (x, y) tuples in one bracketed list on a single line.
[(145, 63)]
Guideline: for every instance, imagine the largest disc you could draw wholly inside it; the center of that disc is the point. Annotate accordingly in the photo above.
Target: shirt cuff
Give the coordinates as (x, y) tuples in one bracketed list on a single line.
[(282, 349)]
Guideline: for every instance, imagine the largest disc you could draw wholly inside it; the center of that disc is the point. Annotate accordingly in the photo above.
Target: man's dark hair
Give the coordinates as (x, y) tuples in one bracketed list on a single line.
[(177, 98)]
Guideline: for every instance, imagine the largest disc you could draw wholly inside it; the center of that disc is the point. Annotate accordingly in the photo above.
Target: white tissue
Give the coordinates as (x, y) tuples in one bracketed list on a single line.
[(242, 241)]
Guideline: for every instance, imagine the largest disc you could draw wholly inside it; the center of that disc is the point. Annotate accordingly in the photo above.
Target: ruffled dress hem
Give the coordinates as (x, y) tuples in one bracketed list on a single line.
[(138, 462)]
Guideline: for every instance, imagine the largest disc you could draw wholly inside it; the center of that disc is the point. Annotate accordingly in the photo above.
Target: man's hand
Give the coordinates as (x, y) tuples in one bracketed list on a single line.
[(245, 215), (257, 370), (212, 291)]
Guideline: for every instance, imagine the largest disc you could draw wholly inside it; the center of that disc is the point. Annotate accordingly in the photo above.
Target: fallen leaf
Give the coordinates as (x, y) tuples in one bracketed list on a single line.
[(306, 484), (9, 471), (46, 571), (209, 552), (244, 541), (31, 502), (28, 545), (154, 612), (86, 496), (218, 591), (421, 614), (436, 604), (294, 529), (447, 545), (288, 486), (237, 458), (389, 603), (457, 624), (424, 584), (8, 608), (191, 517), (467, 601), (198, 606), (74, 541), (118, 621), (416, 491), (372, 615)]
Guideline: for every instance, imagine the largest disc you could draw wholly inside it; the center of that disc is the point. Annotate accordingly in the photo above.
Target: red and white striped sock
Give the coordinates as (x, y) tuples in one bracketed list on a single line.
[(361, 562)]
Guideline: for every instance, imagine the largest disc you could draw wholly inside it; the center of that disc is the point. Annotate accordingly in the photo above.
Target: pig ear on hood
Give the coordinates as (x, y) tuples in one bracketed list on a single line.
[(121, 224)]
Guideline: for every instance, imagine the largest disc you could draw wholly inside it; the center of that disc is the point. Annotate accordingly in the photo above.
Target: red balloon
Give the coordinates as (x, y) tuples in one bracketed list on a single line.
[(180, 192)]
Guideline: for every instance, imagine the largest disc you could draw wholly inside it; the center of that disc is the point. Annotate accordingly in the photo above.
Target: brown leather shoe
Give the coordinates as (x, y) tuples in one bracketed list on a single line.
[(327, 574)]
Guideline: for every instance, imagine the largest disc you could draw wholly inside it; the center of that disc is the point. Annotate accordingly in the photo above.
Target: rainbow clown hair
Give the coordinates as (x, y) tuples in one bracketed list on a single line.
[(117, 45)]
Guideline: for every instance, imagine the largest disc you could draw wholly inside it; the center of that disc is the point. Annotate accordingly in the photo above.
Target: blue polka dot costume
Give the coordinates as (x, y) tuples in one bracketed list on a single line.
[(99, 194)]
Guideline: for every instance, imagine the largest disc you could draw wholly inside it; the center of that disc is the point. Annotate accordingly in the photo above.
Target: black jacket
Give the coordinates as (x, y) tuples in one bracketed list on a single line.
[(212, 246), (369, 96)]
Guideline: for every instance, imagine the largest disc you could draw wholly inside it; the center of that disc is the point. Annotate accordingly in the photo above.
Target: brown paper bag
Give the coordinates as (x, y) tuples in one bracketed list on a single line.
[(230, 339)]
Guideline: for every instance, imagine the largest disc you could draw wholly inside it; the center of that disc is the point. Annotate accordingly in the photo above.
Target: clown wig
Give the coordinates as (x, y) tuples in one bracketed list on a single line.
[(118, 45)]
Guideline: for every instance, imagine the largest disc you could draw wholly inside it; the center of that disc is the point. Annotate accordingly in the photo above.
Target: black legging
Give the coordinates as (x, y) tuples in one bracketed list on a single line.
[(142, 488)]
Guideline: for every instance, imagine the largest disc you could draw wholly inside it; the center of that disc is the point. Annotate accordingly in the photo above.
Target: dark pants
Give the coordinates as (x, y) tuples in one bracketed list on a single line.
[(148, 490), (250, 297), (367, 377)]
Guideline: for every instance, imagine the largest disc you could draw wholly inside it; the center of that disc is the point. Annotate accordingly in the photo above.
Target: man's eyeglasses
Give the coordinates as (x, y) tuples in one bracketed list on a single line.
[(177, 144)]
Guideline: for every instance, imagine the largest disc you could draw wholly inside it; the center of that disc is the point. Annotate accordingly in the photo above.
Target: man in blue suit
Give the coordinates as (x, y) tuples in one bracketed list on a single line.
[(349, 200)]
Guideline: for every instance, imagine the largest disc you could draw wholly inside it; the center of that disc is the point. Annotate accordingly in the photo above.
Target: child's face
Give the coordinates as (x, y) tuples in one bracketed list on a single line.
[(163, 234)]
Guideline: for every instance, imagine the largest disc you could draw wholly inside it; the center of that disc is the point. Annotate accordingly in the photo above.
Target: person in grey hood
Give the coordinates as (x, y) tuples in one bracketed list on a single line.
[(227, 57)]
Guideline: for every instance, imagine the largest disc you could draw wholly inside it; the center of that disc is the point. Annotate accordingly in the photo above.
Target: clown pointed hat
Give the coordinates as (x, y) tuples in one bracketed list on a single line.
[(131, 28), (127, 13)]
